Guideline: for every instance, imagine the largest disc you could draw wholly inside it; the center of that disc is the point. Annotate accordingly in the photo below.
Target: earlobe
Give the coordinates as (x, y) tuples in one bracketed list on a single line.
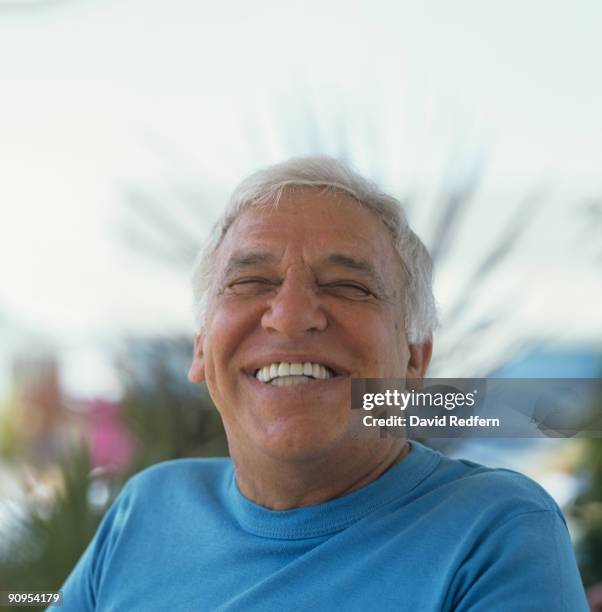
[(420, 357), (196, 373)]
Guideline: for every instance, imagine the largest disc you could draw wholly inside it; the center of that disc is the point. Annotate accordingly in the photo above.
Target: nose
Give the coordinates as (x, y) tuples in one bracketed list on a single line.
[(295, 309)]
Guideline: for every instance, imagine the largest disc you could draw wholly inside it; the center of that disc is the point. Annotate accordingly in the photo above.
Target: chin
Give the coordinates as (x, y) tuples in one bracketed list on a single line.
[(302, 441)]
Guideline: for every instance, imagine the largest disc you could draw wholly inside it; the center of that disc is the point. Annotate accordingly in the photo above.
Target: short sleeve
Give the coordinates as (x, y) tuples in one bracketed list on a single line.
[(527, 563)]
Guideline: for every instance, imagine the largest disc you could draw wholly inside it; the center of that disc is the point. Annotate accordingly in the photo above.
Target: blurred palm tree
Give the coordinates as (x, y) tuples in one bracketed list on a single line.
[(170, 419), (166, 227), (588, 513), (50, 542)]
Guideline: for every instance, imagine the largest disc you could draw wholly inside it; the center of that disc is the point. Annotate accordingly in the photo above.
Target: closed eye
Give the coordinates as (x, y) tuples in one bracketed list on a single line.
[(250, 286), (259, 285), (351, 291)]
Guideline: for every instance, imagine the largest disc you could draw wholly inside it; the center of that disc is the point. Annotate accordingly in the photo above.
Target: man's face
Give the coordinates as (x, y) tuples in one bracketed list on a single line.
[(316, 281)]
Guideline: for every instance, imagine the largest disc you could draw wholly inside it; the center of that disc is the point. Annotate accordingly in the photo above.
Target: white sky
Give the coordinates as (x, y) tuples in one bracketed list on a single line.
[(97, 95)]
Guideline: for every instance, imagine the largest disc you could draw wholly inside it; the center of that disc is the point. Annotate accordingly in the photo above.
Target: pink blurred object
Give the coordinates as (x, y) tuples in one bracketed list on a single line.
[(111, 444), (594, 597)]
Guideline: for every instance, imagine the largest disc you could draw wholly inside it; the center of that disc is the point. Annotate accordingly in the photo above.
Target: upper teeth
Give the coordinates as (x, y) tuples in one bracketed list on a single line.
[(282, 369)]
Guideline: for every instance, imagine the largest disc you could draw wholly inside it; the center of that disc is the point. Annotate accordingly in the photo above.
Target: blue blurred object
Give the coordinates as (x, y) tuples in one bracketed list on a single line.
[(558, 362)]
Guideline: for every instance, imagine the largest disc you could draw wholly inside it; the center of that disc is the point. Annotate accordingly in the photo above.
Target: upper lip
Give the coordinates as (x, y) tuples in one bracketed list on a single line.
[(260, 362)]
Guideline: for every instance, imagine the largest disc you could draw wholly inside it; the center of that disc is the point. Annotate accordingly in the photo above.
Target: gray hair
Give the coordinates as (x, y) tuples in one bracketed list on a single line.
[(266, 186)]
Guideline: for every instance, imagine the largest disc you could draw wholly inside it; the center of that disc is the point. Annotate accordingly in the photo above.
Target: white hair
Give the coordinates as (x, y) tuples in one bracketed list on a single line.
[(265, 187)]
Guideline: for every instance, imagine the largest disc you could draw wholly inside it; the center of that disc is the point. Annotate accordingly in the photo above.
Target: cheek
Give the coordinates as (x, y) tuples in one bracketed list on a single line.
[(240, 310), (229, 324), (383, 338), (377, 329)]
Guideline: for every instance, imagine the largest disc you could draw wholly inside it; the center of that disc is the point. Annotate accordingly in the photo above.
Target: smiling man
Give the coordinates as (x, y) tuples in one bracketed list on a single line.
[(313, 277), (305, 296)]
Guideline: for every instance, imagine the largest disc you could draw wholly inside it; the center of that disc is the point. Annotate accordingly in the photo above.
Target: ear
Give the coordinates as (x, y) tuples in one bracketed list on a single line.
[(420, 357), (196, 374)]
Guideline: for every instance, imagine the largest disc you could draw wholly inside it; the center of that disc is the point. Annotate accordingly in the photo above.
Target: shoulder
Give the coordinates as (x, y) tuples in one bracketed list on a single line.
[(184, 468), (472, 491), (513, 545), (177, 477), (508, 488)]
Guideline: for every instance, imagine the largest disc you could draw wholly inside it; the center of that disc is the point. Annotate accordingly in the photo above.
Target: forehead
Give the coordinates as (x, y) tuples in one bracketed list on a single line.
[(312, 222)]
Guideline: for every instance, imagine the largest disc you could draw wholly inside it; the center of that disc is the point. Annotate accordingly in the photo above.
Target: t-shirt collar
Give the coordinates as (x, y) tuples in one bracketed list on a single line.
[(337, 514)]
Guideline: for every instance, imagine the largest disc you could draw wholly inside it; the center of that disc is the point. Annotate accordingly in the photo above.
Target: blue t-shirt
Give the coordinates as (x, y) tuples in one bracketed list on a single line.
[(432, 533)]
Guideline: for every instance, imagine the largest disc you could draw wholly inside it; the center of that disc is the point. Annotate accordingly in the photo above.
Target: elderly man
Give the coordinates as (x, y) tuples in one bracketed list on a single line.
[(313, 277)]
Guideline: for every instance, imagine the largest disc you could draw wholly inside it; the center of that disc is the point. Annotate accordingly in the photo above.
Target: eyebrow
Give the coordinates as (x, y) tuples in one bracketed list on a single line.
[(240, 261), (357, 264), (246, 259)]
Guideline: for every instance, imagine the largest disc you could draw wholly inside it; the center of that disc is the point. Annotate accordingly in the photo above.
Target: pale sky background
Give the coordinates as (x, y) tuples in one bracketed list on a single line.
[(96, 97)]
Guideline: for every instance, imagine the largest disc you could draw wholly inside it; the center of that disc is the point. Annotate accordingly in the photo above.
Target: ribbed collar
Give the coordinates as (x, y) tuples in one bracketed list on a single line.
[(336, 514)]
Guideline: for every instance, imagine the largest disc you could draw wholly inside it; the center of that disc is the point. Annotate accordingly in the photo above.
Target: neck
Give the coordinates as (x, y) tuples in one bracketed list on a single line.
[(282, 484)]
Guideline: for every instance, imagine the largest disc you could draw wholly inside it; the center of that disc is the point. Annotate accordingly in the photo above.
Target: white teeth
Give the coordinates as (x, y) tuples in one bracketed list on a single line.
[(276, 372), (287, 381), (296, 369)]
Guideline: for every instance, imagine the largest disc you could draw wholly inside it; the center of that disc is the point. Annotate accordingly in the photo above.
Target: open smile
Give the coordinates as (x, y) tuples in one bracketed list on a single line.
[(284, 374)]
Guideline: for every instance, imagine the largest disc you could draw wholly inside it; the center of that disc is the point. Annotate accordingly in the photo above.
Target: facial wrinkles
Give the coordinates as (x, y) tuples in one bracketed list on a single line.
[(294, 250), (298, 272), (282, 237)]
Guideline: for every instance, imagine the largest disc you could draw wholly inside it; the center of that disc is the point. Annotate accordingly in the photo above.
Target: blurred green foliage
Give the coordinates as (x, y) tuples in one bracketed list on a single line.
[(168, 425), (589, 511), (168, 420), (51, 542)]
